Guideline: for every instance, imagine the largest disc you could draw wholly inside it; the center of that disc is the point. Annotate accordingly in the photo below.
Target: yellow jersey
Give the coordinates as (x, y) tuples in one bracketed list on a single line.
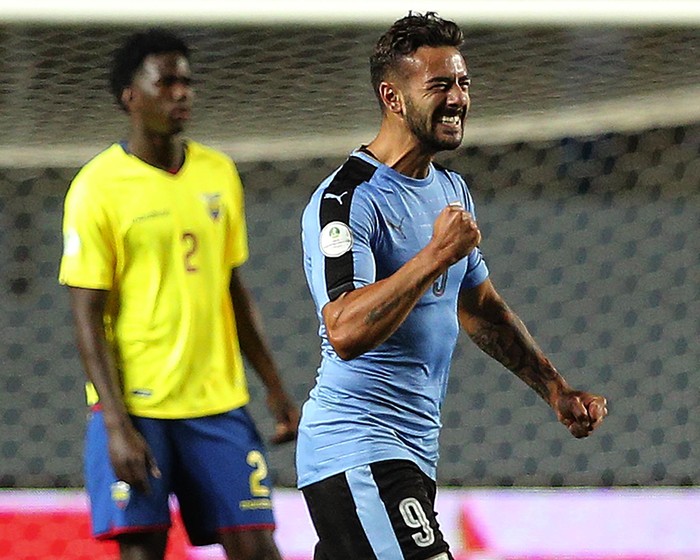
[(163, 245)]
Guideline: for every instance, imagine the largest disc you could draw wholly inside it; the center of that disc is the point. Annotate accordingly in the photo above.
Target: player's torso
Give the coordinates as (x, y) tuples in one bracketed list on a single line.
[(405, 213), (172, 226), (171, 317)]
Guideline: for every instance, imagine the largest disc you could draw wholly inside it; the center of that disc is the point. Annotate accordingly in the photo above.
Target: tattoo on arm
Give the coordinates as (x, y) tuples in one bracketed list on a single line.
[(508, 341), (411, 295)]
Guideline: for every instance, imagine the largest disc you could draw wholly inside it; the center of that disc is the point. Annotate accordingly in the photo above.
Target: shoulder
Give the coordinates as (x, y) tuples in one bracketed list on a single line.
[(456, 181), (108, 158), (203, 154), (202, 151), (345, 185), (353, 173), (450, 174), (346, 180), (99, 170)]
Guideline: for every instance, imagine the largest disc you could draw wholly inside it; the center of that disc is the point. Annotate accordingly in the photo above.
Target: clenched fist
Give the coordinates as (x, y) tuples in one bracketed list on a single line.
[(580, 412), (455, 233)]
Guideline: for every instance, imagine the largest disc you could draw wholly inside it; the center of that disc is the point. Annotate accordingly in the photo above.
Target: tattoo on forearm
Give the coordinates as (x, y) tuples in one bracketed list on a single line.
[(411, 295), (509, 342)]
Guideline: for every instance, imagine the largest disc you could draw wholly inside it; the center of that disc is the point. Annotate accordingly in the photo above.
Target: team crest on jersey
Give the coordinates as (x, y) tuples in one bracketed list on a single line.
[(121, 493), (213, 203)]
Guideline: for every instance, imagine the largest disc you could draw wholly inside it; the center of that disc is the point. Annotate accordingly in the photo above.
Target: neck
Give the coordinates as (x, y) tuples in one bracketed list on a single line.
[(397, 148), (161, 151)]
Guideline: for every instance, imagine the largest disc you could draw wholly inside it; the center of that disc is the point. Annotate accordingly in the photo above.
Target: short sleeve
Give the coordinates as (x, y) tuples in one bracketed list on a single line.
[(89, 252), (237, 235), (477, 270), (337, 244)]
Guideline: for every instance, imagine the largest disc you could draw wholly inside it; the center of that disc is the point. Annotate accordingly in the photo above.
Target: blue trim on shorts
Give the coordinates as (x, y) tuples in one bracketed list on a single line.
[(372, 512)]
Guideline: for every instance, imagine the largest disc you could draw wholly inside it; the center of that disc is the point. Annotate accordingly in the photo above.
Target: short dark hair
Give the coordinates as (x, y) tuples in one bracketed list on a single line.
[(129, 57), (406, 36)]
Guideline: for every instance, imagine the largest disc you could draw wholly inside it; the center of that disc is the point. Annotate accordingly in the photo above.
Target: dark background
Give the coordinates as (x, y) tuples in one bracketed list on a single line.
[(592, 239)]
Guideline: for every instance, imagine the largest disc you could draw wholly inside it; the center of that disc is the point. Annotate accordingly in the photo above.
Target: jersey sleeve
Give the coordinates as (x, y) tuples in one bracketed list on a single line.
[(89, 252), (337, 242), (477, 271), (237, 241)]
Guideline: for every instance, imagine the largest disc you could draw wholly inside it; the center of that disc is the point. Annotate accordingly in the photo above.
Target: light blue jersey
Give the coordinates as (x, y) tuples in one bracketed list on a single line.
[(361, 225)]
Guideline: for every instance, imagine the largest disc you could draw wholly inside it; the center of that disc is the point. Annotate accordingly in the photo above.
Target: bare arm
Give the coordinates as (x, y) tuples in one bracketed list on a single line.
[(257, 351), (499, 332), (129, 453), (362, 319)]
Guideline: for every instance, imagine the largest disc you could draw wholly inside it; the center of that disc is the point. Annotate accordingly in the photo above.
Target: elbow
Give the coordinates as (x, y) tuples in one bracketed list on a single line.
[(347, 338), (345, 346), (347, 356)]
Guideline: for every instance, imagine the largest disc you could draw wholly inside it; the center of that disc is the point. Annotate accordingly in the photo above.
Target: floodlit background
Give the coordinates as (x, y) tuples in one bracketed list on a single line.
[(582, 152)]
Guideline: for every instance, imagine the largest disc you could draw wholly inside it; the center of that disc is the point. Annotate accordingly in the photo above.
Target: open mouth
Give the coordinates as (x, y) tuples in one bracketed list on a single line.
[(454, 120), (451, 121), (181, 113)]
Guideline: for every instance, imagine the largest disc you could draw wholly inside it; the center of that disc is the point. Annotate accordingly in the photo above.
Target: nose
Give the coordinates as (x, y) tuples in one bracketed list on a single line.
[(181, 89), (458, 96)]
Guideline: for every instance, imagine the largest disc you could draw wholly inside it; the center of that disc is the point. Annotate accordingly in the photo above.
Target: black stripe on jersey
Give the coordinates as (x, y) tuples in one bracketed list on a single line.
[(335, 207)]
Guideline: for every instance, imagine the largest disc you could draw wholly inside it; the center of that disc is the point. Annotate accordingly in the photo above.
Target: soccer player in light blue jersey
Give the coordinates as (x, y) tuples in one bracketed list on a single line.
[(392, 259)]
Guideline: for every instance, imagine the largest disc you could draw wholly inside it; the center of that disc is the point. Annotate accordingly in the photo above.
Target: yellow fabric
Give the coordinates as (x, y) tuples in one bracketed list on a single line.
[(163, 245)]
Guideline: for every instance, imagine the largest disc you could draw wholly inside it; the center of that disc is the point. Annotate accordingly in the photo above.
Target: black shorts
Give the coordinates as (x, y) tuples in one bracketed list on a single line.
[(380, 511)]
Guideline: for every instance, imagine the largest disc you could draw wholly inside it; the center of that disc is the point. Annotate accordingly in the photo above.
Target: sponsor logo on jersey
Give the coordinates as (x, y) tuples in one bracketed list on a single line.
[(398, 228), (335, 239), (151, 215), (337, 197), (255, 503)]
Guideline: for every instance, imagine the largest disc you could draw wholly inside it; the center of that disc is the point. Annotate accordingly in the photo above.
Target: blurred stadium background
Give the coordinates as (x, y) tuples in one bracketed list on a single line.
[(583, 155)]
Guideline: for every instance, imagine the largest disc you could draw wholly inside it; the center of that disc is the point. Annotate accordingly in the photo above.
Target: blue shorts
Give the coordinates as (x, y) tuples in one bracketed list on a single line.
[(214, 465)]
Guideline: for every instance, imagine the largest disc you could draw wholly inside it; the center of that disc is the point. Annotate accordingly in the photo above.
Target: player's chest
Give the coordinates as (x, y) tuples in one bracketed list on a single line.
[(165, 213), (405, 225)]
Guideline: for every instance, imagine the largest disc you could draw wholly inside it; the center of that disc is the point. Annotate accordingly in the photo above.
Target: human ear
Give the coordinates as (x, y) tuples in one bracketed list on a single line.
[(127, 97), (390, 97)]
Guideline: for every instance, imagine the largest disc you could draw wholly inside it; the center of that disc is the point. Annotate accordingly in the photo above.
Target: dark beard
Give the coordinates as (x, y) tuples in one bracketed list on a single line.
[(425, 136)]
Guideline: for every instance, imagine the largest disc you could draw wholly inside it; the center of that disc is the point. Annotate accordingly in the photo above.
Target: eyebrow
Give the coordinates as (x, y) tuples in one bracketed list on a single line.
[(443, 79)]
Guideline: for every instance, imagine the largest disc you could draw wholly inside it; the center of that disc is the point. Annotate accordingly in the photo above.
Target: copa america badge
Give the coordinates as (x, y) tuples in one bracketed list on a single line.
[(121, 493)]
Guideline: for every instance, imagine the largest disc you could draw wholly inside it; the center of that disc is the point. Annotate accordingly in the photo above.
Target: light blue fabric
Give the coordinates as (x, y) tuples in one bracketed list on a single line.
[(386, 403), (372, 513)]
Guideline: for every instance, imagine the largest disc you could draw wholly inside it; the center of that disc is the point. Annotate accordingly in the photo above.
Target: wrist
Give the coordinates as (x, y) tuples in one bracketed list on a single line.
[(558, 388), (432, 258), (116, 421)]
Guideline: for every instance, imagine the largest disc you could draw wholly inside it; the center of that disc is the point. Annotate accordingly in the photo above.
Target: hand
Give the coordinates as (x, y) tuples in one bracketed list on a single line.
[(286, 416), (455, 233), (580, 412), (132, 458)]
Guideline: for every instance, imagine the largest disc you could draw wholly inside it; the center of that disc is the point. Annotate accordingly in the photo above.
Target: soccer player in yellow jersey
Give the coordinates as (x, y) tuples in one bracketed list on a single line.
[(154, 229)]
